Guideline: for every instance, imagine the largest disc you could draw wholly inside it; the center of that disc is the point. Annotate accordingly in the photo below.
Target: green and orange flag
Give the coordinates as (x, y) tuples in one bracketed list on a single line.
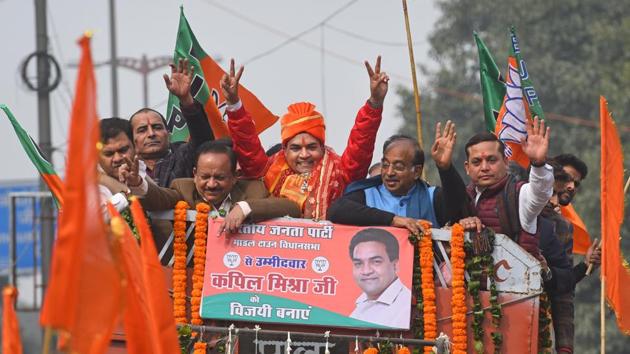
[(510, 102), (492, 84), (38, 159), (205, 89)]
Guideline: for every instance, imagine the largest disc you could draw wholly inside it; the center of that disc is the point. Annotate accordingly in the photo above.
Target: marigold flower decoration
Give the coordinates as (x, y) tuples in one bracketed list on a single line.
[(403, 350), (458, 300), (199, 258), (370, 350), (200, 348), (428, 285), (179, 262)]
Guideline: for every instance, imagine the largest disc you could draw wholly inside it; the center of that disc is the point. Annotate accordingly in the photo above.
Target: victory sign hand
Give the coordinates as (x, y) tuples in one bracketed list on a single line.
[(379, 82), (229, 83)]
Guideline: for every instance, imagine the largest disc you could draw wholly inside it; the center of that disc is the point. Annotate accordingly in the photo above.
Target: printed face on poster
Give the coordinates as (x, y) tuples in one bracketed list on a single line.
[(308, 273)]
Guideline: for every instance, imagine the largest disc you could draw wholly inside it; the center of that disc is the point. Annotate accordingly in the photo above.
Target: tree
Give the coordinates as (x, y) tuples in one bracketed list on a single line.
[(575, 51)]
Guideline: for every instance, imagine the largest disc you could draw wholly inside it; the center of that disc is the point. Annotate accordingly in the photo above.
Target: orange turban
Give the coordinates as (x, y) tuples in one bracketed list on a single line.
[(302, 118)]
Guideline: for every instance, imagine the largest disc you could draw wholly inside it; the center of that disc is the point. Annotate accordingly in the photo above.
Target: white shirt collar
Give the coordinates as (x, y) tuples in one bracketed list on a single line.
[(388, 296)]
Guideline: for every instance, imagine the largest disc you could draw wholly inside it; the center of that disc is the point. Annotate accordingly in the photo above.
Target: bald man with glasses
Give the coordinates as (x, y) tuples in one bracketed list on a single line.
[(399, 197)]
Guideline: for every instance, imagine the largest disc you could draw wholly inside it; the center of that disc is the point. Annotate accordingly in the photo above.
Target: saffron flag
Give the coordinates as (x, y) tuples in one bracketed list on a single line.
[(614, 268), (581, 238), (160, 304), (492, 84), (38, 159), (82, 300), (11, 342), (140, 330), (519, 103), (205, 88)]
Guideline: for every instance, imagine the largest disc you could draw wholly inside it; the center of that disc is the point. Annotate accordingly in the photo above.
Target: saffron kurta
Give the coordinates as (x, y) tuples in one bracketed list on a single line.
[(314, 192)]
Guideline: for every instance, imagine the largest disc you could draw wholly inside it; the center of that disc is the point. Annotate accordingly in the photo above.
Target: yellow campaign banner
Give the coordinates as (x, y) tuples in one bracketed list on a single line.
[(309, 273)]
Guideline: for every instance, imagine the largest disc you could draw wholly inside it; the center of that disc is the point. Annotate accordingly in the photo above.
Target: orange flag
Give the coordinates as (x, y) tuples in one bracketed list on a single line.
[(82, 300), (140, 331), (148, 317), (160, 303), (615, 273), (581, 238), (11, 342)]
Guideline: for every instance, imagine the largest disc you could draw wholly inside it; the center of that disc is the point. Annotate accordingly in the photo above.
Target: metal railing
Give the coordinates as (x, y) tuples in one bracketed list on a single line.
[(36, 269)]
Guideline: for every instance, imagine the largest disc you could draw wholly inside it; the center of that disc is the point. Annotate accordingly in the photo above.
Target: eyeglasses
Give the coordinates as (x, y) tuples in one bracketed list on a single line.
[(397, 166)]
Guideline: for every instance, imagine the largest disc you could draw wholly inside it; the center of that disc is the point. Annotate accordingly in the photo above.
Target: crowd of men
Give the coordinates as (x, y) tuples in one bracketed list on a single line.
[(304, 178)]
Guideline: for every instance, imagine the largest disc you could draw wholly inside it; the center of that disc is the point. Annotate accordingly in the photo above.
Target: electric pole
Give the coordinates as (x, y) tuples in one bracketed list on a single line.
[(44, 136)]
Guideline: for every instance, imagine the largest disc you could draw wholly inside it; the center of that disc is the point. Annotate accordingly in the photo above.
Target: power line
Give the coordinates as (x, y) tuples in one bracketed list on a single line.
[(297, 36), (445, 91), (280, 33), (65, 100), (367, 39), (64, 82), (289, 37)]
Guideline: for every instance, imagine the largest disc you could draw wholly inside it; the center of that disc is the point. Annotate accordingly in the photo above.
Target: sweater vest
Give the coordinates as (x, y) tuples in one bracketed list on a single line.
[(497, 208)]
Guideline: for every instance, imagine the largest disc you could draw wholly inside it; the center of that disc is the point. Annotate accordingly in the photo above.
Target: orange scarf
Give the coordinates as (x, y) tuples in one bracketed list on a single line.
[(313, 192)]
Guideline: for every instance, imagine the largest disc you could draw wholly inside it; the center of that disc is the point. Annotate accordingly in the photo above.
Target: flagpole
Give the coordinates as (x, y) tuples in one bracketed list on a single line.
[(47, 340), (416, 91), (602, 315)]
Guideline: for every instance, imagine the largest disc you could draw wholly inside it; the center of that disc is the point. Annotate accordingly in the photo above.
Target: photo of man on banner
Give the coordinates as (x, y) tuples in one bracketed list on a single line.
[(385, 299)]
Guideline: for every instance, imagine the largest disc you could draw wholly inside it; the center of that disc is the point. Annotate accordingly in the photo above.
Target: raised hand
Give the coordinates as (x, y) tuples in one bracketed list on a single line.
[(180, 80), (442, 149), (536, 145), (229, 83), (379, 82), (129, 172)]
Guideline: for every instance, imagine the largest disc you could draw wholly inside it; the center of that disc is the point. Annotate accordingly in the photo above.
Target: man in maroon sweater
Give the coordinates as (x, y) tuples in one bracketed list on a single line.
[(492, 187)]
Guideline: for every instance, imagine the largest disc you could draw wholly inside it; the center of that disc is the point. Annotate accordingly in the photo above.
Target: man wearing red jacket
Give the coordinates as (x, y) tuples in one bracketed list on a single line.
[(306, 170)]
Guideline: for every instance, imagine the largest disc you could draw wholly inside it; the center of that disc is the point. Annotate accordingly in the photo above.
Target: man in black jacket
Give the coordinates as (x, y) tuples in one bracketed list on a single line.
[(399, 197), (166, 161)]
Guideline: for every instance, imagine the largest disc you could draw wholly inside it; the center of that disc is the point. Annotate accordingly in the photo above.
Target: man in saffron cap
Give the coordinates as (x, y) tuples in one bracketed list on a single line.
[(305, 170)]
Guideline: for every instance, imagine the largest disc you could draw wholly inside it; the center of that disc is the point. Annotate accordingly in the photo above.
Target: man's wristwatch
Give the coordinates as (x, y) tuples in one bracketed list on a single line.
[(537, 163), (546, 274)]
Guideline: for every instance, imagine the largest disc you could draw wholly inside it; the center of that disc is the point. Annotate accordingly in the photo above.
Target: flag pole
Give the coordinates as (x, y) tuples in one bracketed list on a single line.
[(416, 91), (602, 315), (47, 340)]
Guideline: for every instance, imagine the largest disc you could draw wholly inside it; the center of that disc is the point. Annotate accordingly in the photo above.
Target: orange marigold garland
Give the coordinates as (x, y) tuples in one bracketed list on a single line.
[(179, 262), (371, 350), (199, 257), (458, 300), (428, 285), (200, 348), (403, 350)]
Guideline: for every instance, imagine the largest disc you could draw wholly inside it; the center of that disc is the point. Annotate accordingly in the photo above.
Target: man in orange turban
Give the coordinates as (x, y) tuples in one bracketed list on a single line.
[(306, 170)]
